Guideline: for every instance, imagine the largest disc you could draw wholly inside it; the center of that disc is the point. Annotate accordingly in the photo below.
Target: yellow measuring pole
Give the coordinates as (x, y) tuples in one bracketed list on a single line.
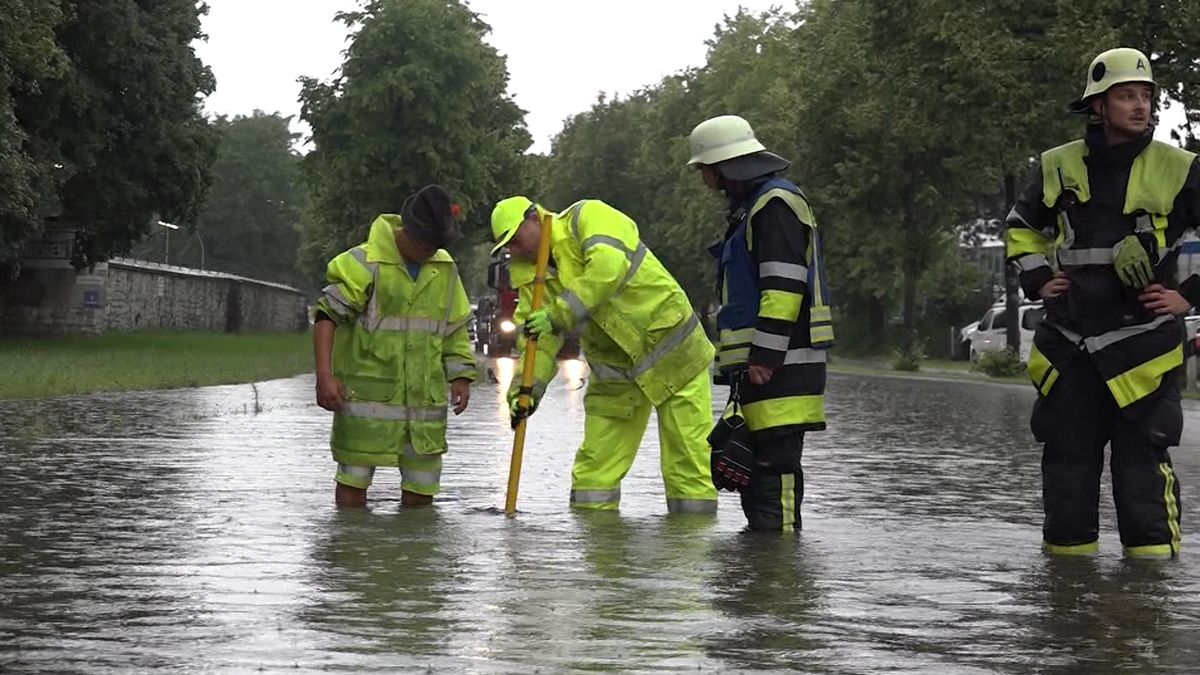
[(527, 371)]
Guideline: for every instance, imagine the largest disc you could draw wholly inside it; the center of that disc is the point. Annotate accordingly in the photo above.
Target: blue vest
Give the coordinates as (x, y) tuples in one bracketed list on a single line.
[(737, 273)]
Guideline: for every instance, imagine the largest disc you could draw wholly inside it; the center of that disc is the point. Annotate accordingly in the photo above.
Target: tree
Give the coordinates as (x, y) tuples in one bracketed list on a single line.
[(28, 54), (250, 221), (420, 98), (903, 121), (121, 124)]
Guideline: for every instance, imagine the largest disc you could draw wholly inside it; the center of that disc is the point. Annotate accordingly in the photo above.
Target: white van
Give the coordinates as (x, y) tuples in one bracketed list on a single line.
[(989, 333)]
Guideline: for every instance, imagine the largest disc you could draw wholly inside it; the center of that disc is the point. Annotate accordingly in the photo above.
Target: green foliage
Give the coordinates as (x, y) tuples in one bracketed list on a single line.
[(28, 54), (250, 222), (114, 137), (908, 356), (903, 120), (421, 98), (1001, 363)]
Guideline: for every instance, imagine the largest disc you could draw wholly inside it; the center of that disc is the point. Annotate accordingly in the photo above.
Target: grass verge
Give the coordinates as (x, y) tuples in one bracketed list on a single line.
[(930, 369), (45, 367)]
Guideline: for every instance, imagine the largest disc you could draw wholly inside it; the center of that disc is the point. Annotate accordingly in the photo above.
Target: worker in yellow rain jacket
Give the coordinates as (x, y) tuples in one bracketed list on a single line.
[(390, 332), (1101, 235), (643, 343)]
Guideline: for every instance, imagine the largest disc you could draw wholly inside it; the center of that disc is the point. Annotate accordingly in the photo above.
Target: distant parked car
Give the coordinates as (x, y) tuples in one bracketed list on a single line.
[(964, 340), (1191, 339), (989, 333)]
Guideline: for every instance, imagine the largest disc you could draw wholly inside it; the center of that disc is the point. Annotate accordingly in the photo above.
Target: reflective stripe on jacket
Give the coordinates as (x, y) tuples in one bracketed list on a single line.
[(744, 302)]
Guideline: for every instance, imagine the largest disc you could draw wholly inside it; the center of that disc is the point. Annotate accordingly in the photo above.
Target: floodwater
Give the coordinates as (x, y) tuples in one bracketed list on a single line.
[(193, 531)]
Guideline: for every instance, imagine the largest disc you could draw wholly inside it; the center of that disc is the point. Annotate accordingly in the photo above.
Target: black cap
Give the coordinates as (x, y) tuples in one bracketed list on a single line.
[(428, 215)]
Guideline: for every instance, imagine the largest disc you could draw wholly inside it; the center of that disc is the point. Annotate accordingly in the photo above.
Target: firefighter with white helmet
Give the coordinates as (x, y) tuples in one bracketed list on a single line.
[(1097, 235), (774, 323)]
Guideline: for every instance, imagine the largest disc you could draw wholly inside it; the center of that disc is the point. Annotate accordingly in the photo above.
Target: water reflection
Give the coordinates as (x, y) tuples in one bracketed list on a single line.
[(193, 531), (763, 588), (382, 583), (1094, 615)]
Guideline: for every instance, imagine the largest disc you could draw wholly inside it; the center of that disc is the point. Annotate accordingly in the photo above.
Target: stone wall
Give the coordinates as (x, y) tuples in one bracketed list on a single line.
[(51, 298), (143, 295)]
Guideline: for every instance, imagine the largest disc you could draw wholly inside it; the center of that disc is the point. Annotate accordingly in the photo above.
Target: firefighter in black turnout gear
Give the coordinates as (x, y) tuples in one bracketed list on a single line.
[(1104, 235), (774, 323)]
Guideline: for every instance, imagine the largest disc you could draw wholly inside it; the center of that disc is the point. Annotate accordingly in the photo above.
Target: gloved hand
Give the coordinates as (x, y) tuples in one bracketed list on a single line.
[(514, 400), (1132, 262), (538, 322), (732, 466)]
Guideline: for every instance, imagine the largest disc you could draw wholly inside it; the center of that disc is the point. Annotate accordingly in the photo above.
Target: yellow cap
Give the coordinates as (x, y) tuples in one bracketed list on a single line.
[(507, 216)]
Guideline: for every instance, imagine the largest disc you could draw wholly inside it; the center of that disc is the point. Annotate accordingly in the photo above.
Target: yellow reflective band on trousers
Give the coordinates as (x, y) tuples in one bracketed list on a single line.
[(1022, 241), (1071, 549), (1041, 372), (606, 500), (1172, 505), (1152, 552), (1141, 381), (787, 500), (675, 505), (421, 474), (778, 412), (782, 305)]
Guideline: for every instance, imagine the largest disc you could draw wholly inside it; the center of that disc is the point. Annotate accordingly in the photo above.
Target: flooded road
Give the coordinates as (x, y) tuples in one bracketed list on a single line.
[(194, 531)]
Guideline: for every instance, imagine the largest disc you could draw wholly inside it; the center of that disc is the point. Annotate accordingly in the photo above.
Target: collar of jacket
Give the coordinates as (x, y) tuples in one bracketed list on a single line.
[(381, 242), (1100, 153), (739, 206)]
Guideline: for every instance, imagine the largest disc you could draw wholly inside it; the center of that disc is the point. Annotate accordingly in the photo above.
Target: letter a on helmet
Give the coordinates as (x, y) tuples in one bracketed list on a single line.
[(1113, 67)]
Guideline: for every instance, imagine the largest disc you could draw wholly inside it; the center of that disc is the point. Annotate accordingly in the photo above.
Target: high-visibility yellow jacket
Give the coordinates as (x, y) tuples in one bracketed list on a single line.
[(397, 344), (635, 322)]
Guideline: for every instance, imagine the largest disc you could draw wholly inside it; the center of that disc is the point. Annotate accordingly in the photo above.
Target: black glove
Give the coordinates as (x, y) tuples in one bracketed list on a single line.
[(731, 468), (731, 461)]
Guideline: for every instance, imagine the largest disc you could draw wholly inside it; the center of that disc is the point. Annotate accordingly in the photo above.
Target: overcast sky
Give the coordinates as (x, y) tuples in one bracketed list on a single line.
[(257, 49)]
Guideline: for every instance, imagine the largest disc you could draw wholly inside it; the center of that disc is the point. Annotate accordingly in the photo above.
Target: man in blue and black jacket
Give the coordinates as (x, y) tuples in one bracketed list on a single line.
[(774, 322)]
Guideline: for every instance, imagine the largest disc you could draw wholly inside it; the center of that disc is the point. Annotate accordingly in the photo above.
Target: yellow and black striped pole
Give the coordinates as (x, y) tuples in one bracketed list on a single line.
[(527, 372)]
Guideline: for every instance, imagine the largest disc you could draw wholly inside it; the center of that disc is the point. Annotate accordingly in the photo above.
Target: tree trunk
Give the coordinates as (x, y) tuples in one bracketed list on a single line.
[(876, 322), (1012, 299), (910, 267)]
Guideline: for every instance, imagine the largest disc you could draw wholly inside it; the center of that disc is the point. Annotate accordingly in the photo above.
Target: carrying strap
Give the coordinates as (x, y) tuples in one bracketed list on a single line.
[(735, 390)]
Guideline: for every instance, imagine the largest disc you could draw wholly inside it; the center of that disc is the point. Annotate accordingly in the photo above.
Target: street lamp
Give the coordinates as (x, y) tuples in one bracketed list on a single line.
[(200, 239), (167, 248)]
